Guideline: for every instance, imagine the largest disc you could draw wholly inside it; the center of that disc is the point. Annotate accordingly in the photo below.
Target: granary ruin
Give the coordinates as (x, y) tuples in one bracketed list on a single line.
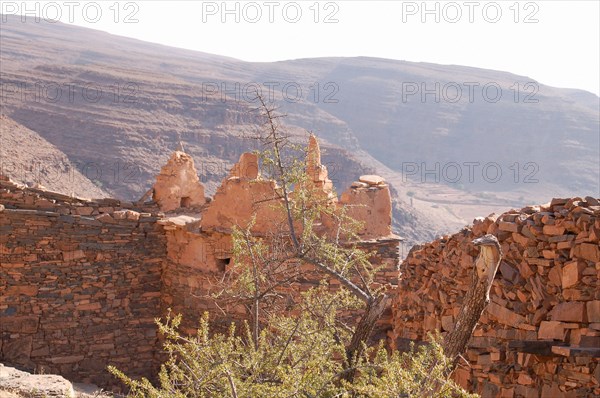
[(81, 281)]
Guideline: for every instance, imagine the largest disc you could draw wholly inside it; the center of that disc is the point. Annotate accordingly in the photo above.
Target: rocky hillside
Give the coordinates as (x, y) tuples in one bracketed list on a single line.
[(117, 108), (30, 159)]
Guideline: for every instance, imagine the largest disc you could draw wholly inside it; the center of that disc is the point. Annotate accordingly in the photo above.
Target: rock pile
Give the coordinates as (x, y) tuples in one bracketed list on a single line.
[(540, 334)]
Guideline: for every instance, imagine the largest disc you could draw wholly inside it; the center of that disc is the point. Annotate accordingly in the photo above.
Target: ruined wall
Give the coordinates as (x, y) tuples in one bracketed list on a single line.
[(81, 281), (200, 246), (79, 284), (197, 263), (370, 201), (178, 185), (386, 256), (540, 334)]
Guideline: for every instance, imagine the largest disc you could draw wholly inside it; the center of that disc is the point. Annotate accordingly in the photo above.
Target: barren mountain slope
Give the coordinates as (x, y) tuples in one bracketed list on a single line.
[(406, 114), (120, 105), (27, 158)]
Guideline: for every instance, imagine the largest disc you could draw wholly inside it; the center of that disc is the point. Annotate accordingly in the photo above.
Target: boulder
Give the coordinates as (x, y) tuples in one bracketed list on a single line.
[(23, 384), (372, 179)]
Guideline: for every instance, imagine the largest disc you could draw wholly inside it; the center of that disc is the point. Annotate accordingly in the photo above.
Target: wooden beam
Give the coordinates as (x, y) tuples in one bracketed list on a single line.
[(576, 351), (539, 347)]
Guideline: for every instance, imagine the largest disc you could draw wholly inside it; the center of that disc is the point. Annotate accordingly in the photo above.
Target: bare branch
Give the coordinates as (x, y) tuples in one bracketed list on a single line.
[(343, 280)]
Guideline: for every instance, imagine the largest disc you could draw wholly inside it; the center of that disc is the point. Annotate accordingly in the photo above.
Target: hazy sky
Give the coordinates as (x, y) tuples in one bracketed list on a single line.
[(554, 42)]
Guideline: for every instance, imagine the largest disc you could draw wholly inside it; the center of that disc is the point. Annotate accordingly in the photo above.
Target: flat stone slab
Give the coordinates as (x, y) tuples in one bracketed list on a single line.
[(179, 220), (372, 179), (358, 184)]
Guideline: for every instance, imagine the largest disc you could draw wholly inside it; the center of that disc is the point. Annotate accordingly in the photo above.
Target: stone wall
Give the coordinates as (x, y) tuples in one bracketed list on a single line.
[(540, 334), (80, 284), (198, 261), (81, 281), (200, 245)]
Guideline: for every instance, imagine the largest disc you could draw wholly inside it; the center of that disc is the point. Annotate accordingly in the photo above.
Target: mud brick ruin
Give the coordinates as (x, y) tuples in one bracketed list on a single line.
[(81, 281)]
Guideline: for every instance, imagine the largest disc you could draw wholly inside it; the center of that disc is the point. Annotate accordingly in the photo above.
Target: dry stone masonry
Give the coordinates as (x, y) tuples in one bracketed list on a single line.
[(81, 281), (540, 335)]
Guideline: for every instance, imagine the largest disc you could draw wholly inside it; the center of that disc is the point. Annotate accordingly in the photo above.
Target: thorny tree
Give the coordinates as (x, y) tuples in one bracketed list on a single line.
[(306, 349), (306, 208)]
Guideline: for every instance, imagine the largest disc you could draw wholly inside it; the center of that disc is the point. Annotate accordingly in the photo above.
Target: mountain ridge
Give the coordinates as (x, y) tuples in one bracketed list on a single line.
[(369, 127)]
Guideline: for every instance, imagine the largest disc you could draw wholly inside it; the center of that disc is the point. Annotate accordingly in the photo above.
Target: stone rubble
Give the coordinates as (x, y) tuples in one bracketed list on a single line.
[(540, 334)]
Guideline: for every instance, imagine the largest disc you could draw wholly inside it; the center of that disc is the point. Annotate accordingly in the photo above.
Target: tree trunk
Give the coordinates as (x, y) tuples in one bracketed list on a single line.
[(476, 299), (373, 312), (473, 305)]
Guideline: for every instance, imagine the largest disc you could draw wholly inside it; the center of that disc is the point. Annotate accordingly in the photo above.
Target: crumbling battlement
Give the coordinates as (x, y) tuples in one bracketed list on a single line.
[(540, 335), (244, 193), (200, 245), (81, 281), (177, 185)]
